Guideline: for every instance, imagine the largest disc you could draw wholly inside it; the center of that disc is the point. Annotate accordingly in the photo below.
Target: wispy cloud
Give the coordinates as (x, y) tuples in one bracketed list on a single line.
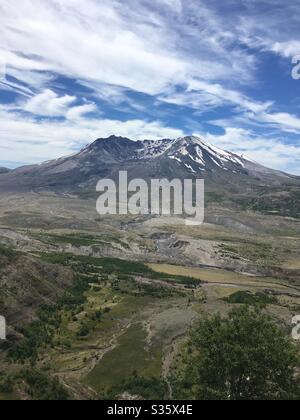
[(31, 140), (269, 152), (118, 44), (146, 68)]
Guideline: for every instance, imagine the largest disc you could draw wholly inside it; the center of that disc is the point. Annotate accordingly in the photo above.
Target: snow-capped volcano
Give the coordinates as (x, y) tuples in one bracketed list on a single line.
[(168, 158), (193, 148)]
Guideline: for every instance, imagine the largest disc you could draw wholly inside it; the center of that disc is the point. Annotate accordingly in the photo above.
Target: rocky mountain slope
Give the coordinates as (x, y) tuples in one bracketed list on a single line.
[(183, 158), (4, 170), (230, 180), (26, 283)]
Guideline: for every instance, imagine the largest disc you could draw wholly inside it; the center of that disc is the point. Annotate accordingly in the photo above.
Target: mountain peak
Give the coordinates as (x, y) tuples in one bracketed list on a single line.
[(166, 158), (198, 155), (114, 138), (194, 154), (191, 139), (111, 139)]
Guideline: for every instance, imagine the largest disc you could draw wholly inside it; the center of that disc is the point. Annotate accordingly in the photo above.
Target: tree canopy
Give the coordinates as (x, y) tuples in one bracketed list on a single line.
[(245, 356)]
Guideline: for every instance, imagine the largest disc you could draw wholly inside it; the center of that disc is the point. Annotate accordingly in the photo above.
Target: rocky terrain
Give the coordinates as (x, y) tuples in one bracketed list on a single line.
[(77, 289)]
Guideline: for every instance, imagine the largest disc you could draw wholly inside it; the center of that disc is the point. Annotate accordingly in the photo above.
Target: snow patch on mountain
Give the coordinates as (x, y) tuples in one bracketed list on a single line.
[(193, 150), (152, 149)]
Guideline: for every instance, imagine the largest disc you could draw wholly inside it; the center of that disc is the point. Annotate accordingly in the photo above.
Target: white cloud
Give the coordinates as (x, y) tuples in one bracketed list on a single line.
[(272, 153), (98, 46), (31, 140), (78, 112), (286, 122), (287, 49), (204, 94), (271, 25), (49, 104), (126, 44), (175, 5)]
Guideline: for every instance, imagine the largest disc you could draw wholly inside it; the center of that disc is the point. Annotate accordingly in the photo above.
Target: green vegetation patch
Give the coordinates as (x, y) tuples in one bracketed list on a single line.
[(275, 201), (7, 256), (41, 333), (248, 298), (116, 266), (260, 253), (129, 367), (42, 387), (103, 293), (214, 197), (37, 385), (79, 239)]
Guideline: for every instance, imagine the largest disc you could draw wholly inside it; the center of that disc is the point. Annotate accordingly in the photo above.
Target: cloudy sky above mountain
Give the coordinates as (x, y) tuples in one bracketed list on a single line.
[(72, 71)]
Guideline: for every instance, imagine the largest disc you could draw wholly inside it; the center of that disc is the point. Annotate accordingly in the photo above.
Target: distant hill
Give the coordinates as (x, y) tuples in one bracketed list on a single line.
[(4, 170)]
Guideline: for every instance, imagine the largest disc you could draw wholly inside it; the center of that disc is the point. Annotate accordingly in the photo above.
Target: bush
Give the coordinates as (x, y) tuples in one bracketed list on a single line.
[(243, 357), (44, 388), (6, 385), (251, 298)]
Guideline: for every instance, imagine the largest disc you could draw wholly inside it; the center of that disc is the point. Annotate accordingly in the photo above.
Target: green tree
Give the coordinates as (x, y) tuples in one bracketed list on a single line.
[(243, 357)]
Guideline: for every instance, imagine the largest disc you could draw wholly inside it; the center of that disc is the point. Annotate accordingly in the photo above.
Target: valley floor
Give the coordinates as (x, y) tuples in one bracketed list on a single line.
[(106, 305)]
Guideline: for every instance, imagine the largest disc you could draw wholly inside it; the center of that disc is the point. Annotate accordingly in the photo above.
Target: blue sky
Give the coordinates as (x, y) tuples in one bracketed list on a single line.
[(79, 70)]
